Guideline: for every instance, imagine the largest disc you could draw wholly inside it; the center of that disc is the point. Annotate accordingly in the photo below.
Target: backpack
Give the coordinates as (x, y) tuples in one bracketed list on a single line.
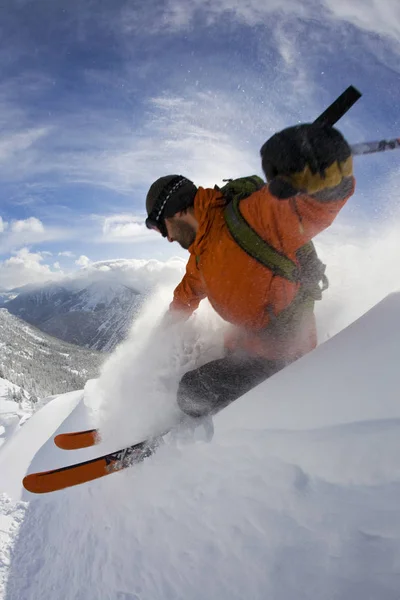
[(309, 271)]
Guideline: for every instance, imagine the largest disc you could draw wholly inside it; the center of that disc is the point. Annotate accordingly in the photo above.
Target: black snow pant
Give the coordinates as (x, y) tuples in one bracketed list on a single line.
[(216, 384)]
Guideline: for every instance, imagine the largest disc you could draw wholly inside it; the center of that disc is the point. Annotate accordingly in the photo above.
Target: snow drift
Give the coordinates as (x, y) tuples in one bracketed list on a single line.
[(295, 497)]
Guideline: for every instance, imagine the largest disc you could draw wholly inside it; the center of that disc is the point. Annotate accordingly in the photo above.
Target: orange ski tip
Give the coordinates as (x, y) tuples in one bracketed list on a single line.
[(58, 479), (75, 474), (76, 440), (33, 483)]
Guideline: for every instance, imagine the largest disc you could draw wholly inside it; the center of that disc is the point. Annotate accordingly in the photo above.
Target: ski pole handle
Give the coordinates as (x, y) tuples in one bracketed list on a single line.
[(339, 107), (371, 147)]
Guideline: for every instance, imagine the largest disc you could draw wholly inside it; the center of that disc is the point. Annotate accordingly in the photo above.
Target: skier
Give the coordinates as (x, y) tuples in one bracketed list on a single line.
[(251, 254), (268, 301)]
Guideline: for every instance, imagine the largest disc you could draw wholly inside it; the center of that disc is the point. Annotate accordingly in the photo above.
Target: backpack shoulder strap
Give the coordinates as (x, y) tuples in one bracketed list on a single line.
[(255, 246)]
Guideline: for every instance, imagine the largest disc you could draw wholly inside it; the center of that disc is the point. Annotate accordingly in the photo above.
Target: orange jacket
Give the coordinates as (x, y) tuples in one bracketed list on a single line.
[(241, 290)]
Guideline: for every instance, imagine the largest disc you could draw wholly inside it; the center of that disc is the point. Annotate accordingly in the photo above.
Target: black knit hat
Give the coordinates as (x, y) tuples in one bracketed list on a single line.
[(168, 195)]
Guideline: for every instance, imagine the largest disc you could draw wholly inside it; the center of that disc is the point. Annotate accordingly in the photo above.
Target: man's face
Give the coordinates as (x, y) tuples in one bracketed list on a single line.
[(179, 230)]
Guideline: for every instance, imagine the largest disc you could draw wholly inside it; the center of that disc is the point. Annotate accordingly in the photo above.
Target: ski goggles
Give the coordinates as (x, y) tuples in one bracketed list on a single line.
[(156, 219), (158, 226)]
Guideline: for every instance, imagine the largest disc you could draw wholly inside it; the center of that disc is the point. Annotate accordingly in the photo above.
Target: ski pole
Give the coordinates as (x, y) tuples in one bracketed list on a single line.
[(339, 107), (371, 147)]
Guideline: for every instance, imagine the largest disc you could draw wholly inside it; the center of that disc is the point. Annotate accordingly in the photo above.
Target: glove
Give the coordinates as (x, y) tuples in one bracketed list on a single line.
[(309, 158)]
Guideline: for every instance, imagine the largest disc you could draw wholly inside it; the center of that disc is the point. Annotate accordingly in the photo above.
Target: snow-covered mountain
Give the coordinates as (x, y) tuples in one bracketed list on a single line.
[(95, 314), (296, 496), (40, 364), (95, 306)]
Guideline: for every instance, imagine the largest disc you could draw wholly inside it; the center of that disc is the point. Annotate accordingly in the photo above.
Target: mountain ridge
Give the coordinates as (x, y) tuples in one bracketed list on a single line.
[(95, 314)]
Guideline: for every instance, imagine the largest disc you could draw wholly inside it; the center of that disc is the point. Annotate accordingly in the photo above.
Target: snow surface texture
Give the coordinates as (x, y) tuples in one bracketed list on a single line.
[(11, 517), (141, 378), (13, 413), (297, 495)]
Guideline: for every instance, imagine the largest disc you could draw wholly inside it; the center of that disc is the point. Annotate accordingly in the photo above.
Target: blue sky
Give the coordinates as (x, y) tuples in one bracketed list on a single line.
[(99, 98)]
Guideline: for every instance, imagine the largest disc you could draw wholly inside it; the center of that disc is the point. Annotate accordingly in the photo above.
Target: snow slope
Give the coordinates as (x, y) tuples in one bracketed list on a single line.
[(12, 413), (297, 496)]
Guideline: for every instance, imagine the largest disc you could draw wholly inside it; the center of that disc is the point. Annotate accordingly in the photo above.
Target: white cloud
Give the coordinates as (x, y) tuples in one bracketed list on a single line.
[(178, 15), (3, 225), (29, 232), (15, 142), (32, 224), (124, 228), (199, 133), (25, 267), (67, 254), (206, 136), (177, 131), (139, 274), (378, 16), (202, 135), (83, 261)]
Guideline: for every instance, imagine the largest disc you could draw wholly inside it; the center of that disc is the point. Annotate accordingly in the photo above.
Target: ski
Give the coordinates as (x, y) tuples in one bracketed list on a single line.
[(75, 440), (59, 479)]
